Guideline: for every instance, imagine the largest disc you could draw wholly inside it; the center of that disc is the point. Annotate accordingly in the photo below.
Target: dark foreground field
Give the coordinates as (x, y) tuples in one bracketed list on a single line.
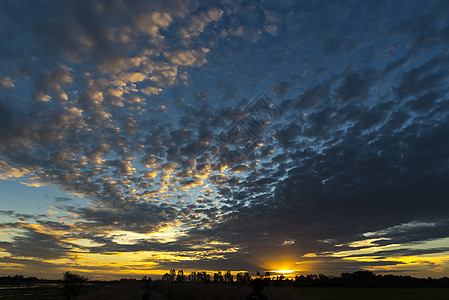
[(190, 291), (32, 291)]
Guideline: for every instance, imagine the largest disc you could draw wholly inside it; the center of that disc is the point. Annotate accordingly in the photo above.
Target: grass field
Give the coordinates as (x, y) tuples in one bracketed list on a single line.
[(197, 291), (372, 294), (38, 292)]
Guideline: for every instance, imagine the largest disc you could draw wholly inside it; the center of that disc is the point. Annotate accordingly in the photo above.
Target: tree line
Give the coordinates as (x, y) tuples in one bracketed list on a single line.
[(203, 276), (355, 279), (21, 279)]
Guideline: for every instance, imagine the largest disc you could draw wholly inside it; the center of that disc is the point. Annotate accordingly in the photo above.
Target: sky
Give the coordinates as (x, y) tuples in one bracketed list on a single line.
[(293, 136)]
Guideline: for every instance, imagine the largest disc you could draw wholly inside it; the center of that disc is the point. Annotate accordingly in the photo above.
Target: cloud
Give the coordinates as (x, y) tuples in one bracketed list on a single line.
[(355, 85), (151, 90), (281, 88), (197, 22), (152, 22), (62, 199), (424, 28), (132, 77), (124, 106), (35, 243), (52, 82), (426, 77), (6, 83), (7, 172), (187, 57)]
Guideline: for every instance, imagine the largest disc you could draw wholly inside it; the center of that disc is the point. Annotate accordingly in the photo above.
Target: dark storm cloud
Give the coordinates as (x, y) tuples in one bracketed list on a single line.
[(36, 244), (31, 263), (342, 43), (427, 77), (62, 199), (75, 29), (355, 85), (21, 217), (414, 231), (282, 87), (5, 117), (396, 64), (405, 252), (135, 217), (426, 29), (372, 175), (313, 96)]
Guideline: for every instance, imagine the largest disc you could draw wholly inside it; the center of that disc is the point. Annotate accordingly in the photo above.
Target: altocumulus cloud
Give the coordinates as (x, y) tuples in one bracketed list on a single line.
[(123, 104)]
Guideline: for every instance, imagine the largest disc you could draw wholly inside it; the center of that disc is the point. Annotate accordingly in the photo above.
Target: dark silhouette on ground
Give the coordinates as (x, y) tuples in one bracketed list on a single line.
[(146, 289), (73, 284), (356, 279), (257, 294)]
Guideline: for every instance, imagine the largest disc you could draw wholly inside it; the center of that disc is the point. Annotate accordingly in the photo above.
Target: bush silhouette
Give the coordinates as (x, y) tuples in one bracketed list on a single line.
[(73, 284)]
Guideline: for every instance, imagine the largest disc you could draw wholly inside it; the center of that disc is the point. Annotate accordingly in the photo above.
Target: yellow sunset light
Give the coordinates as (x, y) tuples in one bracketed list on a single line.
[(283, 271)]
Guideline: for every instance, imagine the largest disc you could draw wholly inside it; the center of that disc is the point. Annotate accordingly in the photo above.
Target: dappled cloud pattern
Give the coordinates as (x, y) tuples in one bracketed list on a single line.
[(122, 104)]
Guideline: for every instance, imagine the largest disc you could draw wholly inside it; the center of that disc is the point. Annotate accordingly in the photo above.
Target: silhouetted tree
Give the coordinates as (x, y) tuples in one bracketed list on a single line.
[(355, 279), (228, 277), (73, 284), (218, 277), (239, 278), (180, 277), (192, 276), (169, 276), (243, 278), (205, 277)]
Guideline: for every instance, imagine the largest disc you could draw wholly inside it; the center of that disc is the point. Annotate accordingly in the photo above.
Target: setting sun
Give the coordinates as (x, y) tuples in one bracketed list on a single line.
[(284, 272)]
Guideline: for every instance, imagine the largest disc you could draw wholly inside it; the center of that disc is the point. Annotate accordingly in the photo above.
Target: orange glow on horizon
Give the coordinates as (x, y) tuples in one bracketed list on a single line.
[(287, 267), (283, 271)]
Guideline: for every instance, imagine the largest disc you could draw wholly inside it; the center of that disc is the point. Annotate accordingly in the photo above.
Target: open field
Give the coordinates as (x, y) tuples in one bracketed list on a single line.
[(193, 291), (31, 291), (200, 291), (372, 294)]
